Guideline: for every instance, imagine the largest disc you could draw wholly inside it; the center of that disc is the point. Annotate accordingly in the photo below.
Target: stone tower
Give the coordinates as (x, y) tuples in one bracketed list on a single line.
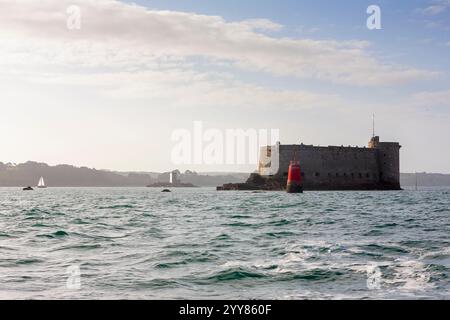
[(388, 158)]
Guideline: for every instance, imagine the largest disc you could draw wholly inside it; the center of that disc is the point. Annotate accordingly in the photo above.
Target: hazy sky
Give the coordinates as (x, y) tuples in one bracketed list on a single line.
[(110, 94)]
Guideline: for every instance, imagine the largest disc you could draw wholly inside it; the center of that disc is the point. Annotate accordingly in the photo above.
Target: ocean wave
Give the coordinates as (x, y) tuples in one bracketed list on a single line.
[(410, 276), (116, 206), (79, 247), (233, 274), (56, 234), (27, 261), (202, 244), (314, 275)]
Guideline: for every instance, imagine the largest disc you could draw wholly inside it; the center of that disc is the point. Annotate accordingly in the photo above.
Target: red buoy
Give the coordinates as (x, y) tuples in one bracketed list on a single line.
[(294, 183)]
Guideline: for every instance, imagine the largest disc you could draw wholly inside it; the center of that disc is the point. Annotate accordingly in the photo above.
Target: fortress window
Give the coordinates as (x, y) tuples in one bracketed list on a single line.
[(360, 175), (317, 174), (353, 175), (367, 175), (345, 174), (337, 174)]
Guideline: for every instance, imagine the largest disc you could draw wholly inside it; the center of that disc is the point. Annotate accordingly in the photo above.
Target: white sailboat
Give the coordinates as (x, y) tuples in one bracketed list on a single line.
[(41, 183)]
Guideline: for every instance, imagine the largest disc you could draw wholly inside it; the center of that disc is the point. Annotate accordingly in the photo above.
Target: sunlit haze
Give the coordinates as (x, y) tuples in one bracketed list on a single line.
[(110, 94)]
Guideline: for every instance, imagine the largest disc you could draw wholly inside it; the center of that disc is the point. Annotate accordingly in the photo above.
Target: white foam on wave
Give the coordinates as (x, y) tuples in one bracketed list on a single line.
[(298, 257), (232, 264), (411, 276), (444, 252), (259, 264)]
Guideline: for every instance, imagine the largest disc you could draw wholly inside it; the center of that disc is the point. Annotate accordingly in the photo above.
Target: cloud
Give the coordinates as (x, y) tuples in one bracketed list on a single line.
[(261, 24), (306, 30), (121, 36), (438, 6), (176, 87), (432, 99)]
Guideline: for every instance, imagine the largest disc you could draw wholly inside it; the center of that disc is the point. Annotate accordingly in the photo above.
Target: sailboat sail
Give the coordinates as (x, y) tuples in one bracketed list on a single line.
[(41, 183)]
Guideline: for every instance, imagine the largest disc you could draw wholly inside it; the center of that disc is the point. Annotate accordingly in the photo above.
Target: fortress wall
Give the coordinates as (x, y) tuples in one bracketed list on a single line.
[(389, 163), (332, 167)]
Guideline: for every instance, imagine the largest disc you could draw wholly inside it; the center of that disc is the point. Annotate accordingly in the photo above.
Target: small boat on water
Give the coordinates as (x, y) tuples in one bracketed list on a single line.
[(28, 188), (41, 183)]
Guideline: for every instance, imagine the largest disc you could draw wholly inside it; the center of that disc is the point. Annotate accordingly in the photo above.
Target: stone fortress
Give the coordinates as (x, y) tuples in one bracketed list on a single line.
[(376, 167)]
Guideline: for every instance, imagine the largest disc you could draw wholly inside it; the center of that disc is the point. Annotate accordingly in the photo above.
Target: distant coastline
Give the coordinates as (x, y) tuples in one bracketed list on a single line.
[(425, 179), (28, 174)]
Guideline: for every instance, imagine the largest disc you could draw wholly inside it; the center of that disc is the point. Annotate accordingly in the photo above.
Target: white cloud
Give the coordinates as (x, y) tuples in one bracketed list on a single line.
[(432, 99), (306, 30), (438, 6), (175, 87), (124, 37), (261, 24)]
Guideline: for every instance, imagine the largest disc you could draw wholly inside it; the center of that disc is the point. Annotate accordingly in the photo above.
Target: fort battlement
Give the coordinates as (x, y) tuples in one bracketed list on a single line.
[(375, 167)]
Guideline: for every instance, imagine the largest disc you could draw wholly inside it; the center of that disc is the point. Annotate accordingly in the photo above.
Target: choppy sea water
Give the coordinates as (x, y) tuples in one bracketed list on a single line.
[(139, 243)]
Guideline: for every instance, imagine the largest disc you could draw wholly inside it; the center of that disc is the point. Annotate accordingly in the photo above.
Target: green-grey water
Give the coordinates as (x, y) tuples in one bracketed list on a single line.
[(139, 243)]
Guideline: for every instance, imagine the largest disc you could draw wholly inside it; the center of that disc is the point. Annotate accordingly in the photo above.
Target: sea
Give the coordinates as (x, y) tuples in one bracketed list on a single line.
[(140, 243)]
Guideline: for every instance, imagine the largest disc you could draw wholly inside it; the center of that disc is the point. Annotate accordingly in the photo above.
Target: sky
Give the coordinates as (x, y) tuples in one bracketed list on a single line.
[(110, 92)]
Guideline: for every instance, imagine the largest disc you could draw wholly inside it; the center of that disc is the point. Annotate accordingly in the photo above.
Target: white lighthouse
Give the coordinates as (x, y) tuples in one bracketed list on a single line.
[(173, 177)]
